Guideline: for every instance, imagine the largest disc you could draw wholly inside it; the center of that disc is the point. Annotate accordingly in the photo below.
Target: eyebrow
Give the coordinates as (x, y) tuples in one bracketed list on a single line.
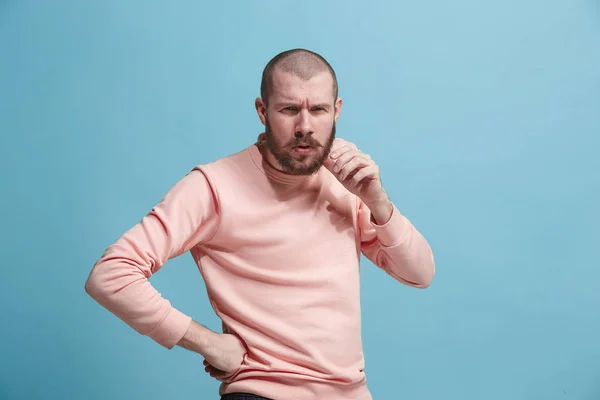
[(291, 103)]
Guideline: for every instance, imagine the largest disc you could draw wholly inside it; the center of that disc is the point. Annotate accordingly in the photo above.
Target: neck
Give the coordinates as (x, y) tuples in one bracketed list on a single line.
[(270, 159)]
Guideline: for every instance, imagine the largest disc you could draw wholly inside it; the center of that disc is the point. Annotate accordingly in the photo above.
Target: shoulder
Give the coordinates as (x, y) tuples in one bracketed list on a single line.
[(237, 160), (232, 169)]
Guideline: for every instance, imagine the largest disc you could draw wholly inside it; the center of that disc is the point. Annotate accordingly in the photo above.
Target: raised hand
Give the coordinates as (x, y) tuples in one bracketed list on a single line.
[(357, 172)]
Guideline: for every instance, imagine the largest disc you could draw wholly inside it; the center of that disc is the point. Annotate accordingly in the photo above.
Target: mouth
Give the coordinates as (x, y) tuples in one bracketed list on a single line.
[(303, 149)]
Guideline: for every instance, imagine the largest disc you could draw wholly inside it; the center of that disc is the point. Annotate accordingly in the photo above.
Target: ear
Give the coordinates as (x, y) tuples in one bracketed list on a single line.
[(337, 109), (261, 110)]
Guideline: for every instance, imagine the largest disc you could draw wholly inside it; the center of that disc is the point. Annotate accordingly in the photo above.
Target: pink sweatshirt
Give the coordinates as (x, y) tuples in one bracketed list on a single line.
[(280, 258)]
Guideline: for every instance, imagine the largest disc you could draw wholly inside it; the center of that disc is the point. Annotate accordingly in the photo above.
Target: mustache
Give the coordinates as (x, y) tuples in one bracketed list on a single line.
[(305, 141)]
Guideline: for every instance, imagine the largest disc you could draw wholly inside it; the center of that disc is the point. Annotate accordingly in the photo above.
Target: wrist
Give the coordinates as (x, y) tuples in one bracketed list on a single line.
[(198, 339), (381, 211)]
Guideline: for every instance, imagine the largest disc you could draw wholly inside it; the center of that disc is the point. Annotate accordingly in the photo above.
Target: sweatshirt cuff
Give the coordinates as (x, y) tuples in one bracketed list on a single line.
[(171, 329), (393, 232)]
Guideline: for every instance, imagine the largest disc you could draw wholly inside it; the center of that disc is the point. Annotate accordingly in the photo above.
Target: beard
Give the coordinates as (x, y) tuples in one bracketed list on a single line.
[(295, 164)]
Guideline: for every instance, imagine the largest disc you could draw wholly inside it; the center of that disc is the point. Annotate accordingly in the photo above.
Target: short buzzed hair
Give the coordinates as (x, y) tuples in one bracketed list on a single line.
[(302, 63)]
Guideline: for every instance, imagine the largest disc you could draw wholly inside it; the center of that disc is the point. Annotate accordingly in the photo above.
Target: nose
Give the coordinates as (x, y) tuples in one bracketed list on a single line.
[(304, 125)]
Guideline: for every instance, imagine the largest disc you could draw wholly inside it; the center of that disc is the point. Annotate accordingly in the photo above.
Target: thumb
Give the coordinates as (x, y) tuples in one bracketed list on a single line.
[(328, 162)]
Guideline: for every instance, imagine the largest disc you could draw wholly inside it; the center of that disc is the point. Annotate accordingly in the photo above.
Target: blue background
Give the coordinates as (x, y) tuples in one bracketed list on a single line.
[(484, 118)]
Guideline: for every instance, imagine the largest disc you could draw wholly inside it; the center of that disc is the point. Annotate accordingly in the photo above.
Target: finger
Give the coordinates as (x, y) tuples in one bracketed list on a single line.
[(339, 151), (342, 159), (330, 162), (351, 165), (371, 172), (352, 168), (214, 372)]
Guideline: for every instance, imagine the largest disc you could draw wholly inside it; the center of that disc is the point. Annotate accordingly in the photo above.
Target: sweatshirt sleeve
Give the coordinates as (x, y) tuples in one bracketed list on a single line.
[(119, 280), (397, 247)]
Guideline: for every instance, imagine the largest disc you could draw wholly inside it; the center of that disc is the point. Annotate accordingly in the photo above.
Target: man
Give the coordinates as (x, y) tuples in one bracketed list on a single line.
[(277, 231)]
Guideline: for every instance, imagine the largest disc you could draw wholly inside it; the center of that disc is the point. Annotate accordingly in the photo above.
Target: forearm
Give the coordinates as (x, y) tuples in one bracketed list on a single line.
[(119, 280), (391, 242), (410, 261), (381, 211), (122, 287), (198, 339)]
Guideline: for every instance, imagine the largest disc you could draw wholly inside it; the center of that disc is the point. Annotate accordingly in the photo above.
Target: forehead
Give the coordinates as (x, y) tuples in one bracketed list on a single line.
[(287, 86)]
